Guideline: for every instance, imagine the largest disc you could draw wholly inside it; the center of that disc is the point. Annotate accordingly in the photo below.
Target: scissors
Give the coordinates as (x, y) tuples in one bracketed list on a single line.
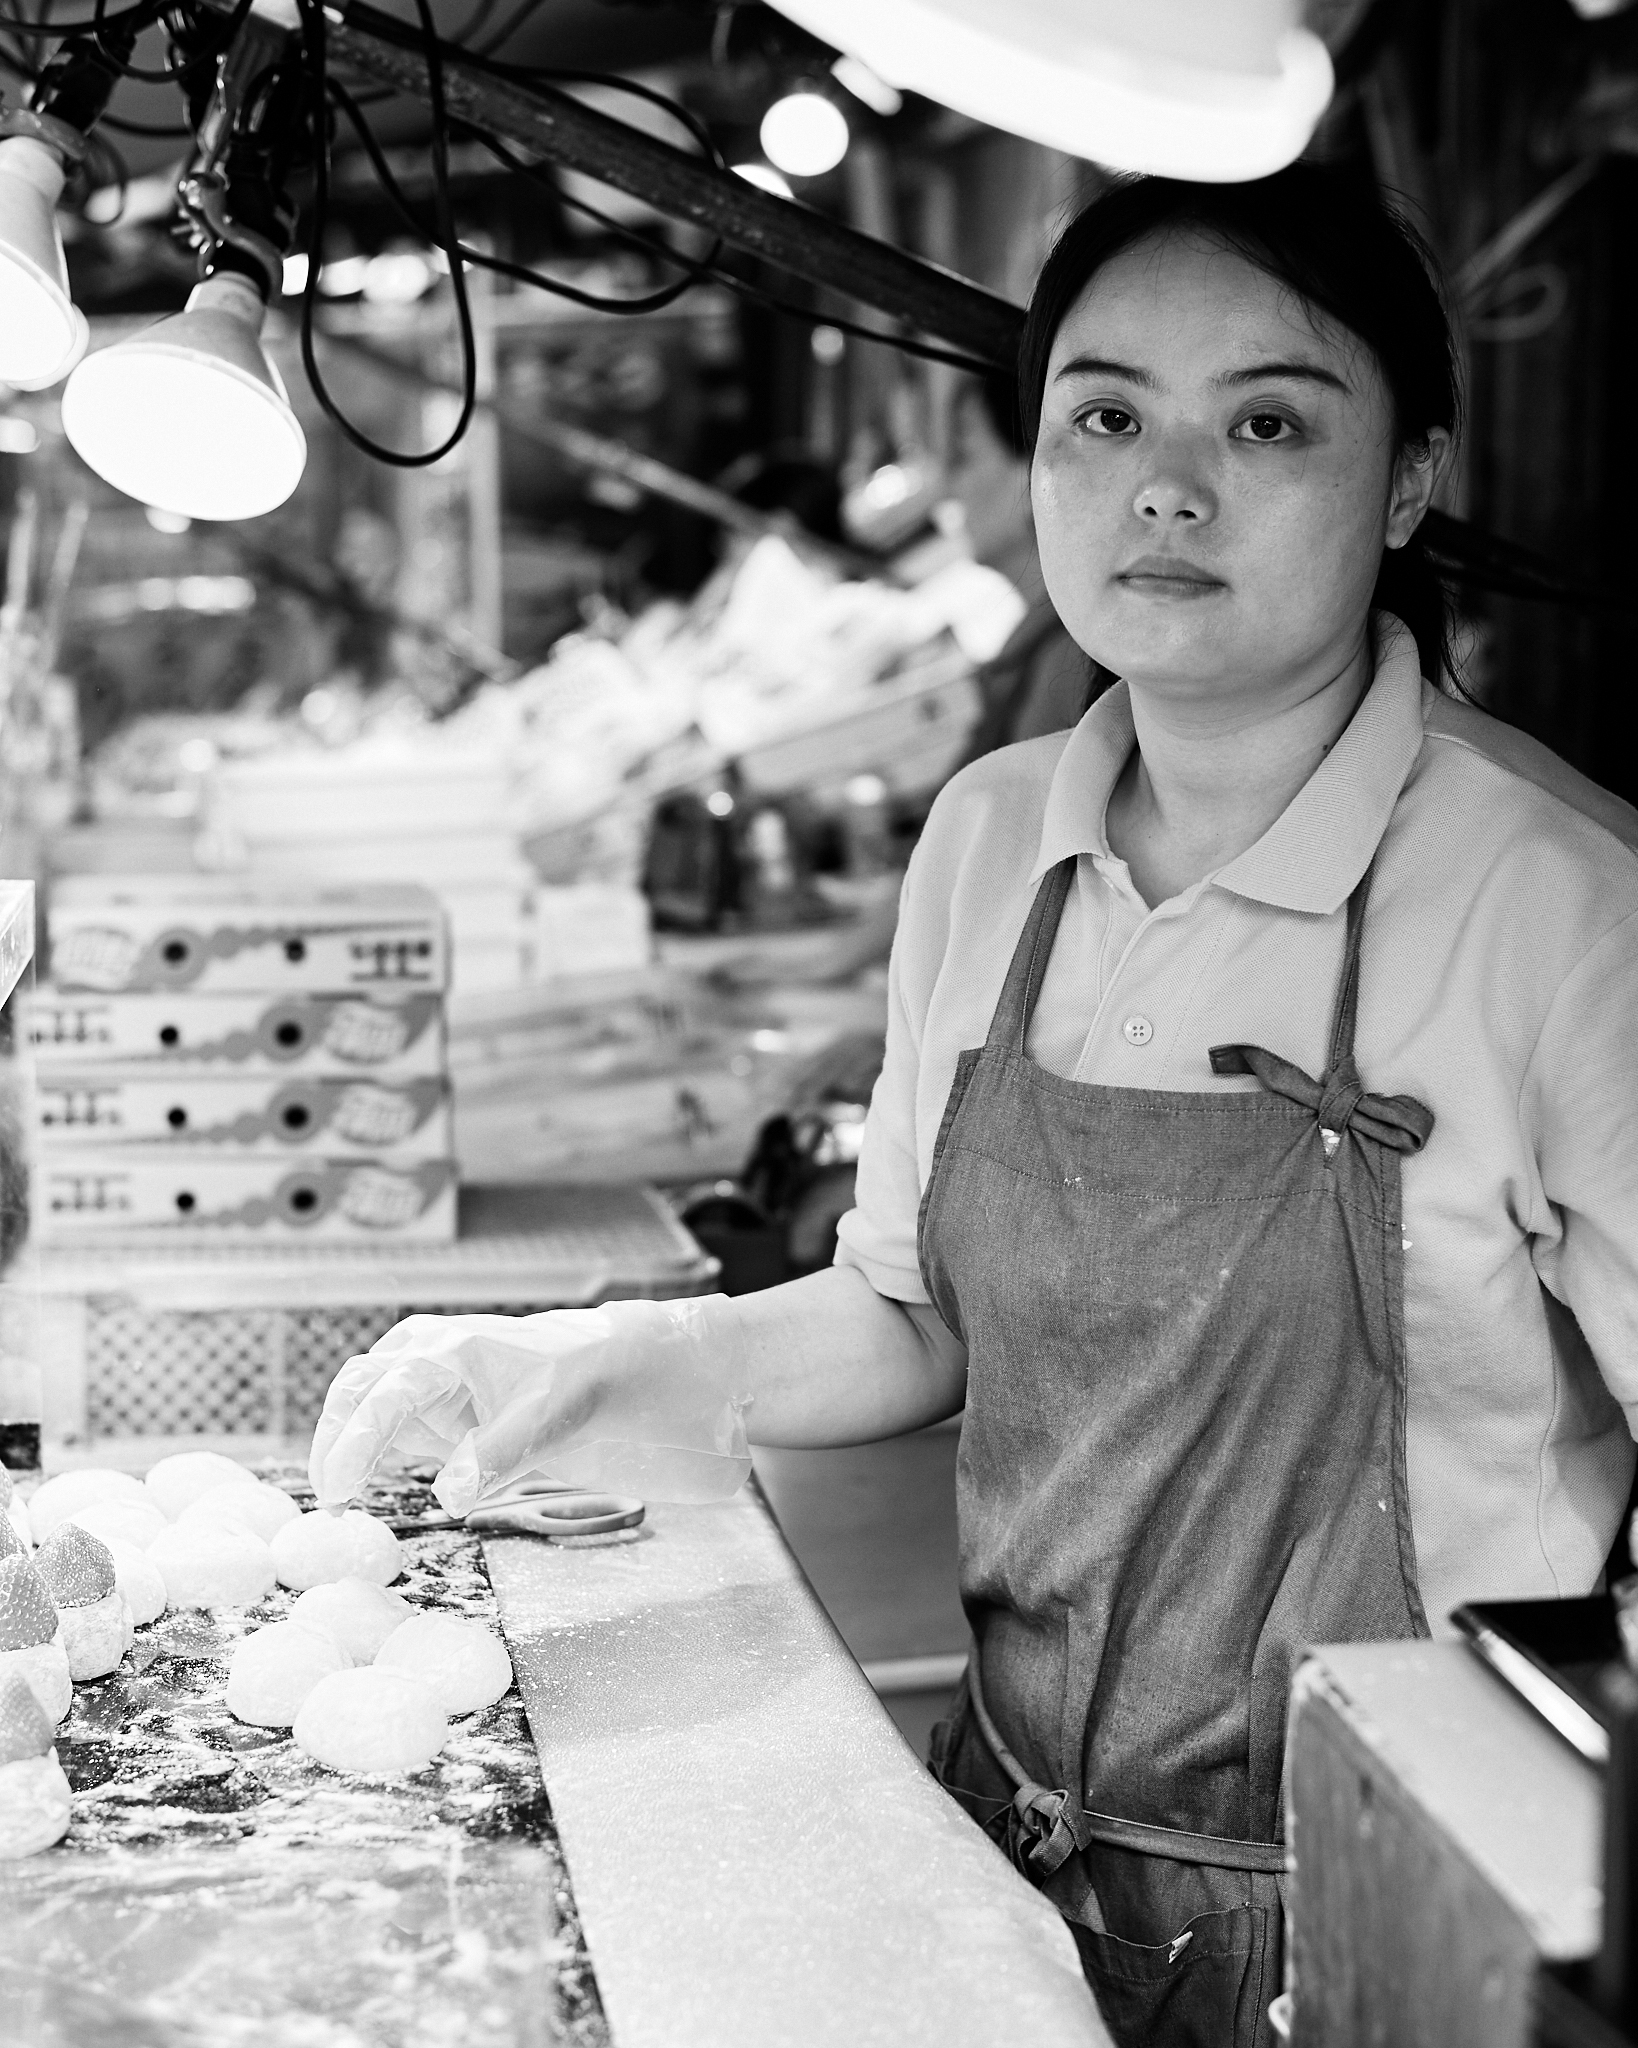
[(537, 1509)]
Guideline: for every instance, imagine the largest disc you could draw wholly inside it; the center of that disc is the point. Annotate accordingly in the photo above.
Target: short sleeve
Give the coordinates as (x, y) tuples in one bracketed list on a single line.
[(878, 1235), (1579, 1104)]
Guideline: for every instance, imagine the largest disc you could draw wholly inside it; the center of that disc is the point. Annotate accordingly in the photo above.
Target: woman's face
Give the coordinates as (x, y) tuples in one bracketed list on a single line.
[(1216, 477)]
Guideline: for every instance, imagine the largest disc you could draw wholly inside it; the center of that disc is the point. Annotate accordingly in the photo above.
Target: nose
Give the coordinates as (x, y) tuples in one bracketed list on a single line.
[(1175, 492)]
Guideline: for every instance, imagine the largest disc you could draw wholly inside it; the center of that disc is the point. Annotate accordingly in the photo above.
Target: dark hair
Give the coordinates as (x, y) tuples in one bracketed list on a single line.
[(1336, 242)]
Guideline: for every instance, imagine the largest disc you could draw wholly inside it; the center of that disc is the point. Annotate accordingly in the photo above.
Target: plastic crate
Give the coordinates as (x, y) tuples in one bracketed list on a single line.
[(245, 1341)]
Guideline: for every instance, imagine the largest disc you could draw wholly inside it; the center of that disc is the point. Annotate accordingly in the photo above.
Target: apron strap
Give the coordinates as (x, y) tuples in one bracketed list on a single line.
[(1045, 1827), (1347, 1009), (1010, 1025), (1340, 1102)]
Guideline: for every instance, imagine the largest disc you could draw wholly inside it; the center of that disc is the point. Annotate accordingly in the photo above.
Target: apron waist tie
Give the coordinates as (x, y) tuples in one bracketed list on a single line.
[(1054, 1826)]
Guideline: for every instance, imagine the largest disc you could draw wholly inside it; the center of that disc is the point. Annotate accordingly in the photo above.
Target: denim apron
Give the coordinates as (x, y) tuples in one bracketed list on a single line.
[(1183, 1457)]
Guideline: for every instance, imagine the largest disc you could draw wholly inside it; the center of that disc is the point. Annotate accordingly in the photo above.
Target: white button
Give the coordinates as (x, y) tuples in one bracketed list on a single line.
[(1137, 1031)]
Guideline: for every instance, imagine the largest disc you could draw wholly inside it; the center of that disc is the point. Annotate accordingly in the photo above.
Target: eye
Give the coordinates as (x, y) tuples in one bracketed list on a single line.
[(1265, 428), (1112, 420)]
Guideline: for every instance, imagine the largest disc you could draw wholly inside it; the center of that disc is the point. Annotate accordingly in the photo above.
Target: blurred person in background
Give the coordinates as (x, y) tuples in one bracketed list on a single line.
[(1040, 682)]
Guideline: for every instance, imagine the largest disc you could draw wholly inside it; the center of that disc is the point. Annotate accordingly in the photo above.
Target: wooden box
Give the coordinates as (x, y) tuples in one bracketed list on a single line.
[(1445, 1842)]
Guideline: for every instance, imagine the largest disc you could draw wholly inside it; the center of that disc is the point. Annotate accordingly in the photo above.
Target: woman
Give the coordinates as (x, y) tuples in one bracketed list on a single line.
[(1256, 1153)]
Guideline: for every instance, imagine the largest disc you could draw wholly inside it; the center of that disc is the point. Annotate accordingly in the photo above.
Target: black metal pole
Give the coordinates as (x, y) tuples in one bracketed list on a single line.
[(554, 126)]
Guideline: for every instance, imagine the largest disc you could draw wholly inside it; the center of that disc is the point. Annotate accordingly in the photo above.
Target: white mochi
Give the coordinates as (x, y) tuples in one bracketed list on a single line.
[(354, 1614), (96, 1636), (275, 1669), (136, 1522), (260, 1508), (320, 1548), (464, 1663), (138, 1581), (212, 1564), (17, 1515), (35, 1803), (176, 1483), (373, 1723), (43, 1667), (59, 1498)]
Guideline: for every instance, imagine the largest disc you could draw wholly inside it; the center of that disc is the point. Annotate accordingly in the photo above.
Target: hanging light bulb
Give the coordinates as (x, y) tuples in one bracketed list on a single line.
[(1215, 90), (43, 334), (804, 135), (40, 328), (191, 417)]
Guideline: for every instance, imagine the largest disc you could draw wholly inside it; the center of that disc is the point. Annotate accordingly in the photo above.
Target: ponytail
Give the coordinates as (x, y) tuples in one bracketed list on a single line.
[(1409, 586)]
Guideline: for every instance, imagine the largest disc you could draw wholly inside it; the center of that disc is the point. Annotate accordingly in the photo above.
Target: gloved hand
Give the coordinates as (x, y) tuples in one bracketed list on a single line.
[(644, 1397)]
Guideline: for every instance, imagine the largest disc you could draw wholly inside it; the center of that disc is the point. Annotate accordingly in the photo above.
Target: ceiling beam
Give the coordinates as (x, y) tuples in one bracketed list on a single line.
[(548, 124)]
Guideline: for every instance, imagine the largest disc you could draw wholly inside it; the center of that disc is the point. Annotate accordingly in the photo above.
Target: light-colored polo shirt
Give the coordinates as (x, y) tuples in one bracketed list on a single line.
[(1499, 985)]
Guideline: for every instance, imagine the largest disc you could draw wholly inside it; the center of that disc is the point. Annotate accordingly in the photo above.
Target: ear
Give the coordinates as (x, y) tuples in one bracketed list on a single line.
[(1416, 476)]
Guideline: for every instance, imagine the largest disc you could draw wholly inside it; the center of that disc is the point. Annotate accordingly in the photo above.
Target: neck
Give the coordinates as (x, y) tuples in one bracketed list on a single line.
[(1210, 776)]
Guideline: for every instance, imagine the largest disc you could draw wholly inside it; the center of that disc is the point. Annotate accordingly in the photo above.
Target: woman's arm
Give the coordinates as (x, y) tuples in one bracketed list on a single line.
[(831, 1361)]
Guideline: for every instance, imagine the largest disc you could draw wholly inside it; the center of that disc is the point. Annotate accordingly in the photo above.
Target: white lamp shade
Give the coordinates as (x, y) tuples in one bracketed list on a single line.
[(1213, 90), (191, 417), (41, 331)]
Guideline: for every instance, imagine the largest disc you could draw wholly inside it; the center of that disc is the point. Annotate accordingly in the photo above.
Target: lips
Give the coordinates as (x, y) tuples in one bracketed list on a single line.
[(1168, 575)]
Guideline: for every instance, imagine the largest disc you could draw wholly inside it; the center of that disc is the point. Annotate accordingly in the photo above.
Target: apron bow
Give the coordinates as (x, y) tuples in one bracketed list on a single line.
[(1340, 1103)]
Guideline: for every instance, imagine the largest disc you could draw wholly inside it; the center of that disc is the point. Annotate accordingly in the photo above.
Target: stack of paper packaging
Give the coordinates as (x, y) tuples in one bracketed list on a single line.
[(431, 809), (226, 1063)]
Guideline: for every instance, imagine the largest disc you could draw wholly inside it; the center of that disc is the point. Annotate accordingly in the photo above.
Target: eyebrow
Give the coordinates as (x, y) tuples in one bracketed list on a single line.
[(1308, 373), (1105, 366), (1254, 373)]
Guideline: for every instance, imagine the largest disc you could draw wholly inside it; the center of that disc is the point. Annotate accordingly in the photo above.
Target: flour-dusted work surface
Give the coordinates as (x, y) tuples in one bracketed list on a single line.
[(758, 1858), (216, 1887)]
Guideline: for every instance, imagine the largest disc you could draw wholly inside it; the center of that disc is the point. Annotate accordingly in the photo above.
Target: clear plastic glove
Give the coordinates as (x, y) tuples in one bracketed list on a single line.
[(643, 1397)]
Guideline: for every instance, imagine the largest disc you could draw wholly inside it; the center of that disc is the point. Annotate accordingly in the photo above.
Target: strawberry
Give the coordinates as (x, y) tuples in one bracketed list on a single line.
[(11, 1544), (24, 1730), (8, 1486), (27, 1616), (76, 1566)]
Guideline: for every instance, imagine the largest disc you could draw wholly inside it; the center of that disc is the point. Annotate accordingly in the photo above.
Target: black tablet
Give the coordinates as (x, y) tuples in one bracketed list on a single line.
[(1550, 1652)]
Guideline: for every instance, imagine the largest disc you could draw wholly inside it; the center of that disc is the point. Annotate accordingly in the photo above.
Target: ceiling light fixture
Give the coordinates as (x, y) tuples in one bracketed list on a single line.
[(42, 332), (1213, 90), (191, 417), (875, 93), (804, 134)]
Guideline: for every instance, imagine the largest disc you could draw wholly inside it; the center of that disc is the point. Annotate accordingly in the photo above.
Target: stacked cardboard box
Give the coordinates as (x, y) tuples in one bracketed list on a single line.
[(239, 1064)]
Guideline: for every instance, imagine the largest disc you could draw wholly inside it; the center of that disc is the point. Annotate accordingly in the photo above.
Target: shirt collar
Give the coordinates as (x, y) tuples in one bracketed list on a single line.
[(1315, 852)]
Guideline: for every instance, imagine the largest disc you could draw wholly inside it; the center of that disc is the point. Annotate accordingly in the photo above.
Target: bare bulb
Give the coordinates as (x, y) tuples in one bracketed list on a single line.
[(804, 135)]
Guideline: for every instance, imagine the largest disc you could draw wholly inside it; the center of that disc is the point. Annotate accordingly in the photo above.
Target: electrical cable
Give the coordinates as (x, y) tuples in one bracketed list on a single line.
[(651, 302), (58, 30), (528, 74), (475, 21), (124, 127), (709, 269), (313, 45)]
